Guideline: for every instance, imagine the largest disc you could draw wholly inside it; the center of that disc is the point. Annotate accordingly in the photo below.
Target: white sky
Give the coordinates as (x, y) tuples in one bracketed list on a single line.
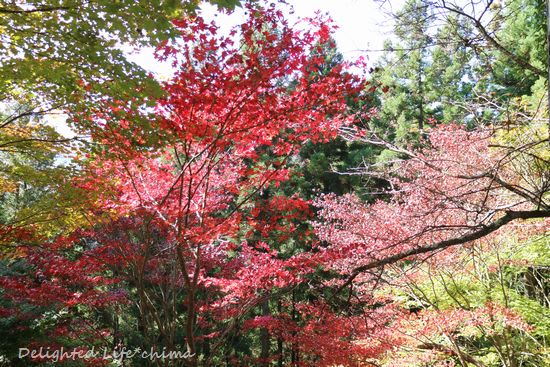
[(363, 25)]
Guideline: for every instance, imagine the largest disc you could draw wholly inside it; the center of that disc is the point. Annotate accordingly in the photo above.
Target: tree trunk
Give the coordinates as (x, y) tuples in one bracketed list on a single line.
[(264, 337), (280, 351)]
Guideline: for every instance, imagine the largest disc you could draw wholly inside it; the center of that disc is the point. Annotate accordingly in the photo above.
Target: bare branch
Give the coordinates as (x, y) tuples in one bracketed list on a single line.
[(483, 231)]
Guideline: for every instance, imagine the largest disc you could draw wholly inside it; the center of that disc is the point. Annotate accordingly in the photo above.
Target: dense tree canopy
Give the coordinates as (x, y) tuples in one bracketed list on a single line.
[(272, 204)]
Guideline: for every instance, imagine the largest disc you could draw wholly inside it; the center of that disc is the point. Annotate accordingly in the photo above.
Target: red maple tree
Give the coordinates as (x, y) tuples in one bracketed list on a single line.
[(169, 222)]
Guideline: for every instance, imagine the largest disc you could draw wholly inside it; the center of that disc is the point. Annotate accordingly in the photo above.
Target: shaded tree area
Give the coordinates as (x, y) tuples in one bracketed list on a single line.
[(269, 205)]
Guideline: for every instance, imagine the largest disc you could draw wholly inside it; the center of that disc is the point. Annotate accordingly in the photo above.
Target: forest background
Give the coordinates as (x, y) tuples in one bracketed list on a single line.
[(270, 202)]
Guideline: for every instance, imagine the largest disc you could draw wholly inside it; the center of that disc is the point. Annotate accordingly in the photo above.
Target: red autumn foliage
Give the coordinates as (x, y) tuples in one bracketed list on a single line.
[(171, 222)]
